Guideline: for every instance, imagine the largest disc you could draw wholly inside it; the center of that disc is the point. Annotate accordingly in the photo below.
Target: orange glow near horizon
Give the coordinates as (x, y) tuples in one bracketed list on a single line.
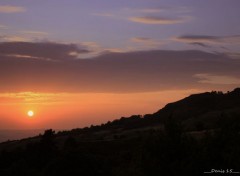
[(74, 110)]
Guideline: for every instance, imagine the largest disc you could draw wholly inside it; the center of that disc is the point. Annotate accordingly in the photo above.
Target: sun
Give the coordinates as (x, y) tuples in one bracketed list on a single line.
[(30, 113)]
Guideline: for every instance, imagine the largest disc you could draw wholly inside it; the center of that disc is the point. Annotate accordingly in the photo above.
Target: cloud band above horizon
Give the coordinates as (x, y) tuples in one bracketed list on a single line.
[(140, 71)]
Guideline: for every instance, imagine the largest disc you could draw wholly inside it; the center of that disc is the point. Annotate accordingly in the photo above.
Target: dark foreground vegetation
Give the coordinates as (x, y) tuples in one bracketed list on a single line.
[(188, 137)]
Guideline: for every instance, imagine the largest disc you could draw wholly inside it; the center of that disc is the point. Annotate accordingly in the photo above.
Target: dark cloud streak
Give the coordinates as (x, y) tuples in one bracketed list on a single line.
[(233, 39), (200, 44), (46, 50)]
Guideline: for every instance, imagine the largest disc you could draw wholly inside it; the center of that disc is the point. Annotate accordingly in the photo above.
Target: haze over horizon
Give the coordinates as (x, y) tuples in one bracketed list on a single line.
[(76, 63)]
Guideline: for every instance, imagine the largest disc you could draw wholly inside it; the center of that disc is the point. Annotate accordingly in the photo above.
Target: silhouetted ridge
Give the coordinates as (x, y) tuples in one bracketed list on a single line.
[(235, 92), (203, 106)]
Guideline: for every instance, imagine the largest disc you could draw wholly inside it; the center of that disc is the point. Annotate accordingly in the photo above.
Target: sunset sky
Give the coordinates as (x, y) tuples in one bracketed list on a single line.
[(76, 63)]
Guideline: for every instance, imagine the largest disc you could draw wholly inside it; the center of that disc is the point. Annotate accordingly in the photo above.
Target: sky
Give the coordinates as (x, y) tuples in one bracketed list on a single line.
[(76, 63)]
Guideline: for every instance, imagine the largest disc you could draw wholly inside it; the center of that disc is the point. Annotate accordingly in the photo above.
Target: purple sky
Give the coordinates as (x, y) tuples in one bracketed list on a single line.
[(123, 25), (72, 30)]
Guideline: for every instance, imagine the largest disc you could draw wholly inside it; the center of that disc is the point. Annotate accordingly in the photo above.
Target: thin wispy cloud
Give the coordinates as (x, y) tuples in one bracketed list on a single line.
[(27, 57), (217, 79), (214, 43), (151, 10), (31, 98), (198, 38), (24, 36), (144, 10), (234, 39), (161, 15), (3, 27), (156, 15), (140, 39), (159, 20), (160, 10), (147, 43), (11, 9), (233, 55), (37, 33), (93, 48), (200, 44), (48, 51), (12, 38), (114, 50)]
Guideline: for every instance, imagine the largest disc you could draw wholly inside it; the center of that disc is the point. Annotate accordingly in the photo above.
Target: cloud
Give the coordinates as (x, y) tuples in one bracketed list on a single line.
[(139, 71), (31, 98), (148, 10), (159, 20), (36, 33), (233, 55), (229, 45), (27, 57), (140, 39), (200, 44), (158, 10), (146, 43), (197, 38), (11, 9), (217, 79), (41, 51), (114, 50), (94, 49), (151, 10), (3, 27), (24, 36), (160, 15), (7, 38), (234, 39), (151, 15), (126, 11)]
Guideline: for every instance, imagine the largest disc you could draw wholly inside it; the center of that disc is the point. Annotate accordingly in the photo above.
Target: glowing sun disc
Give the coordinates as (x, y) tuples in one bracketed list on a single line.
[(30, 113)]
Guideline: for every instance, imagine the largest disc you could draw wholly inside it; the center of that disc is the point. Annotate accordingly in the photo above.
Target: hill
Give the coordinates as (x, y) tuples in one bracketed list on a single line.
[(196, 112), (200, 133), (205, 108)]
